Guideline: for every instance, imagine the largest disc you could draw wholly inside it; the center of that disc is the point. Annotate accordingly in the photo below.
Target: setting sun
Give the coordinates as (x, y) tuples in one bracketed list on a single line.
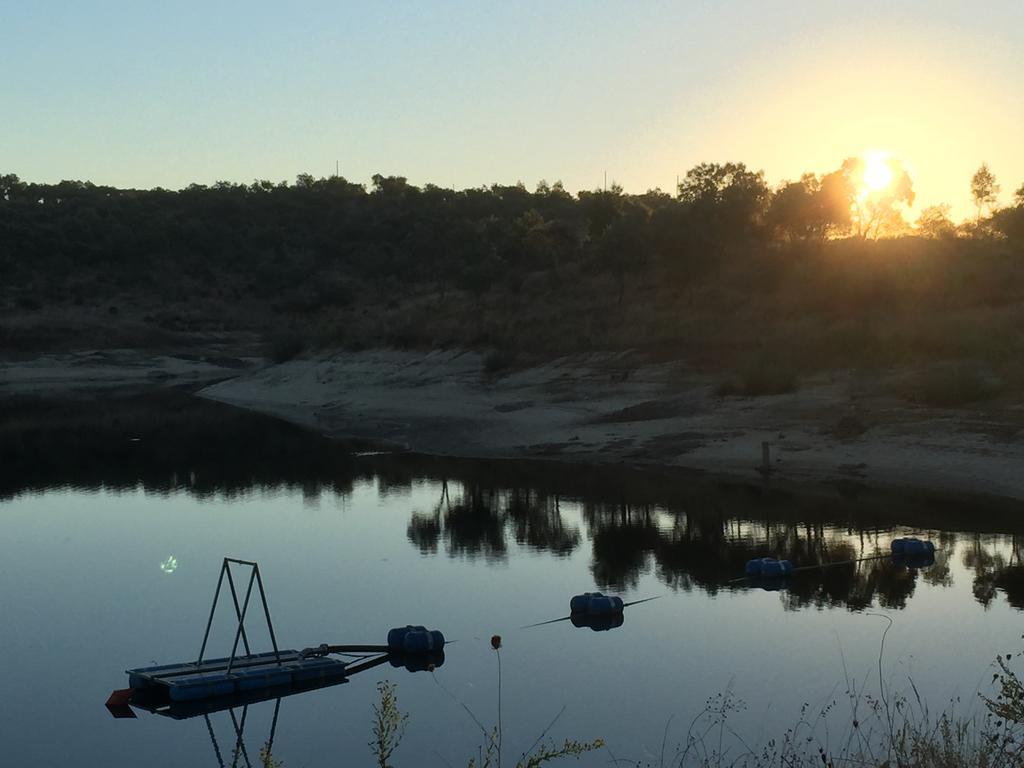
[(877, 171)]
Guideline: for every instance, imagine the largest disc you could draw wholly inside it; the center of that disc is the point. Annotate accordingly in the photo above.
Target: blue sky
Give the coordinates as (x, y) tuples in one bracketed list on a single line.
[(470, 93)]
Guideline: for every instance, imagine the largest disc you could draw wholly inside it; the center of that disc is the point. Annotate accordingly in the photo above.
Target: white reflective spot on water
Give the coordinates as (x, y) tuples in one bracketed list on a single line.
[(170, 565)]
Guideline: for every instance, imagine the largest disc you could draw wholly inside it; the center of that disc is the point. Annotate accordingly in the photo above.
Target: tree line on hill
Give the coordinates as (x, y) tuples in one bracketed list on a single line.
[(725, 263), (280, 232)]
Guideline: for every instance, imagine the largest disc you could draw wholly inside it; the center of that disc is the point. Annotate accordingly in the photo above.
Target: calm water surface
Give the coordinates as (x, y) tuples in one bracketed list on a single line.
[(115, 520)]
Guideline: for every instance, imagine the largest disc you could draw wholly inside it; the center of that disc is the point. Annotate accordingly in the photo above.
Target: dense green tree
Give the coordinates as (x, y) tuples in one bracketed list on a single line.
[(624, 246), (728, 198), (836, 197), (600, 208), (810, 209), (1010, 221), (10, 187)]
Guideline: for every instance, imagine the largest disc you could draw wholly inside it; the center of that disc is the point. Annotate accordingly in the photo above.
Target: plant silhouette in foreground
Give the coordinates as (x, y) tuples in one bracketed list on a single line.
[(539, 753), (1009, 702), (856, 728), (267, 759), (389, 728), (388, 724), (890, 730)]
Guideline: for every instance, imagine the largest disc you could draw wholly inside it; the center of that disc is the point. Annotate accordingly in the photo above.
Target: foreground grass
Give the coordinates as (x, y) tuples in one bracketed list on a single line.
[(854, 730), (859, 729)]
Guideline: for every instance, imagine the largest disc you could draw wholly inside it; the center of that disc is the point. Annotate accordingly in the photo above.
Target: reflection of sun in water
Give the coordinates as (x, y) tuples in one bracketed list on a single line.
[(877, 171)]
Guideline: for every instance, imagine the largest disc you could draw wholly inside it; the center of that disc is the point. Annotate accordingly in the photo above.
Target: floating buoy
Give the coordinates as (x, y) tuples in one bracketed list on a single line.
[(417, 662), (921, 560), (911, 546), (597, 623), (414, 639), (596, 604), (771, 585), (768, 567)]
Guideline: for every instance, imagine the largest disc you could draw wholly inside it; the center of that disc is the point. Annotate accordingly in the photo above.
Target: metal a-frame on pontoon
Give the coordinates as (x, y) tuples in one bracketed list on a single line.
[(199, 687)]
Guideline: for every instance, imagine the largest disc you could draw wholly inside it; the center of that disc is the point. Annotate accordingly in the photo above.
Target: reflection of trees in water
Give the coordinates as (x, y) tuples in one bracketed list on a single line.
[(994, 570), (940, 574), (705, 551), (480, 519), (690, 535), (854, 585), (164, 443), (1011, 581), (623, 538), (709, 552), (536, 522)]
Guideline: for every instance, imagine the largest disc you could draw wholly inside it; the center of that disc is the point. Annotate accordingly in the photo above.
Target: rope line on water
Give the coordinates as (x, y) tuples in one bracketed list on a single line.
[(736, 580), (804, 568), (819, 566), (566, 618)]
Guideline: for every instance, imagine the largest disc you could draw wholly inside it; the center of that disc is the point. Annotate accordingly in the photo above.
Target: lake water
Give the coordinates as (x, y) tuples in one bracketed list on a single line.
[(115, 518)]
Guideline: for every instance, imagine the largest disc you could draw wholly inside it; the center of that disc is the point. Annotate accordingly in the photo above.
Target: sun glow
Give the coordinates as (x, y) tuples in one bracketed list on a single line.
[(877, 171)]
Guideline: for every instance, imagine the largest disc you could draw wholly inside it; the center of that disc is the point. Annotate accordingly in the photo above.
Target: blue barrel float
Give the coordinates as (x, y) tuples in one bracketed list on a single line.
[(596, 604), (911, 546), (768, 567), (417, 662), (910, 552), (596, 611), (597, 623), (416, 648), (414, 639)]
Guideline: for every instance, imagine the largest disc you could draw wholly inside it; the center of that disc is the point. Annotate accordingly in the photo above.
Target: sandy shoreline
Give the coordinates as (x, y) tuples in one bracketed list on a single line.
[(598, 409), (587, 409)]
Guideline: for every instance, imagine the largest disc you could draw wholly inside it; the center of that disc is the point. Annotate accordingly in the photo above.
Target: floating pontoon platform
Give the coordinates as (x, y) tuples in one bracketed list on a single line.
[(228, 677), (150, 689), (240, 674), (191, 688)]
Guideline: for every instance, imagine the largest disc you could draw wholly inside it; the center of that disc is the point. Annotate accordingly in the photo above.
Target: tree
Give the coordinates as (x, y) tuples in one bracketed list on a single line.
[(789, 214), (391, 186), (877, 212), (934, 222), (984, 189), (600, 208), (810, 209), (835, 202), (1010, 221), (676, 240), (10, 186), (538, 243), (723, 183), (624, 246), (727, 198)]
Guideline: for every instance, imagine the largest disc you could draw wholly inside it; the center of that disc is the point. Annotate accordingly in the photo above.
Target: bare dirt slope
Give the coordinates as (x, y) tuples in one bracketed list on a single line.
[(96, 371), (584, 408), (599, 408)]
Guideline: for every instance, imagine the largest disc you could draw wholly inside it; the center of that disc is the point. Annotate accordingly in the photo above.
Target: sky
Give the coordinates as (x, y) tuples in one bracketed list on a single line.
[(141, 94)]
